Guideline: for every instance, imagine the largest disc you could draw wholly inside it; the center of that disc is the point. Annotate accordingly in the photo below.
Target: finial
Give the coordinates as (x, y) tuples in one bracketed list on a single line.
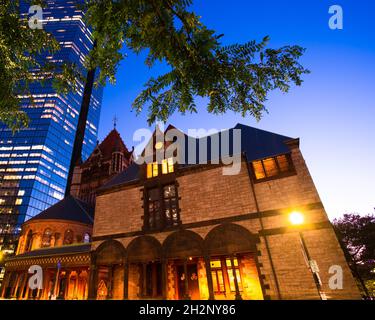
[(115, 122)]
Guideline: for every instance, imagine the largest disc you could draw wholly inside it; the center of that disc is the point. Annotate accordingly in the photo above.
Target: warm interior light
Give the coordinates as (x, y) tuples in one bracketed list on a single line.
[(296, 218), (158, 145)]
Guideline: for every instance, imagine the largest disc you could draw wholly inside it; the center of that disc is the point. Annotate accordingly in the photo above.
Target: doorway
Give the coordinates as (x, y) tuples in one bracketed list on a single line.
[(192, 282)]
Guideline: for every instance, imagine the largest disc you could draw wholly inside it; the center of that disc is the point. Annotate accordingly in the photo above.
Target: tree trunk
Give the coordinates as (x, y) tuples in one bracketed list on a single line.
[(81, 127)]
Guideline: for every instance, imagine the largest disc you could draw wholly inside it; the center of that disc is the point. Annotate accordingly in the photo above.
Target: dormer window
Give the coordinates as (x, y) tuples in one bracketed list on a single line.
[(273, 167), (152, 170), (167, 166)]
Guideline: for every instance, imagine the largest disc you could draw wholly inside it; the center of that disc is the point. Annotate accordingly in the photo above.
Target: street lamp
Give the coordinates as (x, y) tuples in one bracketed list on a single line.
[(297, 219)]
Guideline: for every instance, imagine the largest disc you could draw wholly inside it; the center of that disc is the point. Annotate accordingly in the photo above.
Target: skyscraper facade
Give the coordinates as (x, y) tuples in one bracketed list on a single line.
[(34, 162)]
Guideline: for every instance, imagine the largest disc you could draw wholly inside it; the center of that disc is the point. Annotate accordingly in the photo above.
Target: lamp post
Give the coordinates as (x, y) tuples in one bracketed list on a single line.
[(297, 219)]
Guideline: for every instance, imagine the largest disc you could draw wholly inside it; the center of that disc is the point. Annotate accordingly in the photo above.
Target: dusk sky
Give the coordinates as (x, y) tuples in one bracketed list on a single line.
[(333, 113)]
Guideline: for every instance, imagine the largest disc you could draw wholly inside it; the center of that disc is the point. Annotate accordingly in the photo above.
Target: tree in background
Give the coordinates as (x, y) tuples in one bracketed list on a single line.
[(20, 66), (357, 236)]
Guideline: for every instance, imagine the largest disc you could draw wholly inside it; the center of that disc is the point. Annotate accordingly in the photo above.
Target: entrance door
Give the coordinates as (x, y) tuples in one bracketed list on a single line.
[(193, 283)]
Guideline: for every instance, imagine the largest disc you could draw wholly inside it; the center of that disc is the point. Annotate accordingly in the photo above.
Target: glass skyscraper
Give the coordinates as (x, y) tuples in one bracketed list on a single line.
[(34, 163)]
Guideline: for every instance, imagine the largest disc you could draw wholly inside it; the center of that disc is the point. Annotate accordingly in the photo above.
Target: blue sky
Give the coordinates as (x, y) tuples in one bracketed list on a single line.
[(333, 113)]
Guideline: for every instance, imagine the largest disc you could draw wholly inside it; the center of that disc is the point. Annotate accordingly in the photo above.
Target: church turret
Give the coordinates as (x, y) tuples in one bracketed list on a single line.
[(109, 158)]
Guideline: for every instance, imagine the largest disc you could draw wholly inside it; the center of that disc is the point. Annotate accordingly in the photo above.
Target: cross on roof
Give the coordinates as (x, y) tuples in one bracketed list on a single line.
[(115, 121)]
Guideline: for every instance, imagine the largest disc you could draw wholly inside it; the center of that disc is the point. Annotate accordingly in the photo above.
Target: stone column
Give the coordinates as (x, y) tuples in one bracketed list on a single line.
[(5, 284), (144, 279), (110, 282), (126, 281), (14, 289), (238, 294), (207, 264), (23, 286), (56, 284), (187, 296), (92, 282), (76, 285), (46, 285), (164, 278), (67, 284), (154, 280), (27, 292)]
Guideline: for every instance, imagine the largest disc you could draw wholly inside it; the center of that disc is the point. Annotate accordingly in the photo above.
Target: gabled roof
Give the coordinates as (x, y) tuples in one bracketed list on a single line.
[(111, 143), (128, 175), (255, 143), (68, 209)]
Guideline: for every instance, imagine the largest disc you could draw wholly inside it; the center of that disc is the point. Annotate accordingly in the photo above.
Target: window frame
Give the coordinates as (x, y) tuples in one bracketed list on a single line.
[(164, 225), (156, 170), (280, 174), (44, 243)]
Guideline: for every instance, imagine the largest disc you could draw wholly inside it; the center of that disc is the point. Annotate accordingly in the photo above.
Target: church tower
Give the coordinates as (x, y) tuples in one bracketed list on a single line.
[(108, 159)]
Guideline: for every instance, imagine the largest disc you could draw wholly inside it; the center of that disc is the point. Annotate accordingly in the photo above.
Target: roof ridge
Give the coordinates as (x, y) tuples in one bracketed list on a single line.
[(263, 130), (85, 211)]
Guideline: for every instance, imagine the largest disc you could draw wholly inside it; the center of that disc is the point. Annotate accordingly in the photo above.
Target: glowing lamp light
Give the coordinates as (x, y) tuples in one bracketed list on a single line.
[(159, 145), (296, 218)]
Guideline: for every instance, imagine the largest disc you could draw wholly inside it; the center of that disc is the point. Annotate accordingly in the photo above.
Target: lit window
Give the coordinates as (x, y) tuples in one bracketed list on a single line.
[(18, 201), (283, 163), (47, 237), (152, 170), (258, 170), (86, 238), (217, 276), (164, 166), (272, 167), (167, 166), (170, 165), (236, 269), (155, 171), (68, 237)]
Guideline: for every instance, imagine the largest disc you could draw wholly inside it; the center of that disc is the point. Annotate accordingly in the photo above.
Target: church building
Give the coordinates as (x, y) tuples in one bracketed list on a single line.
[(171, 229)]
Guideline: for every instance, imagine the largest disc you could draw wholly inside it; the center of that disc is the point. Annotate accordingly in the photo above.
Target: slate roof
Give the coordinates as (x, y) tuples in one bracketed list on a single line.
[(69, 209), (255, 143), (72, 249)]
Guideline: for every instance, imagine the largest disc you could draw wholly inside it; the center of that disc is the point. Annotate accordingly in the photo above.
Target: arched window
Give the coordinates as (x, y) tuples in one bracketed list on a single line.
[(29, 241), (46, 240), (68, 237), (86, 238)]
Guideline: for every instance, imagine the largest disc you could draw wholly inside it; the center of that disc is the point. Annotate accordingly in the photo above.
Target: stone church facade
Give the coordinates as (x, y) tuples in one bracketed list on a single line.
[(165, 230)]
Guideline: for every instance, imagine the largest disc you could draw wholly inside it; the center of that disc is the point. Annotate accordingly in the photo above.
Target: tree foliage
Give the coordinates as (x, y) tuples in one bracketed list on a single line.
[(20, 65), (357, 234), (235, 77)]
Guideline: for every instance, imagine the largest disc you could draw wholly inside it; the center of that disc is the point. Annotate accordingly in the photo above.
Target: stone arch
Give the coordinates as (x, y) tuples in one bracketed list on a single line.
[(144, 249), (230, 238), (183, 244), (110, 252)]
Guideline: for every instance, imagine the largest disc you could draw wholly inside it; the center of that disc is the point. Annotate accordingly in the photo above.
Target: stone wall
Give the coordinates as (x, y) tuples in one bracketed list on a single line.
[(208, 198), (58, 227)]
